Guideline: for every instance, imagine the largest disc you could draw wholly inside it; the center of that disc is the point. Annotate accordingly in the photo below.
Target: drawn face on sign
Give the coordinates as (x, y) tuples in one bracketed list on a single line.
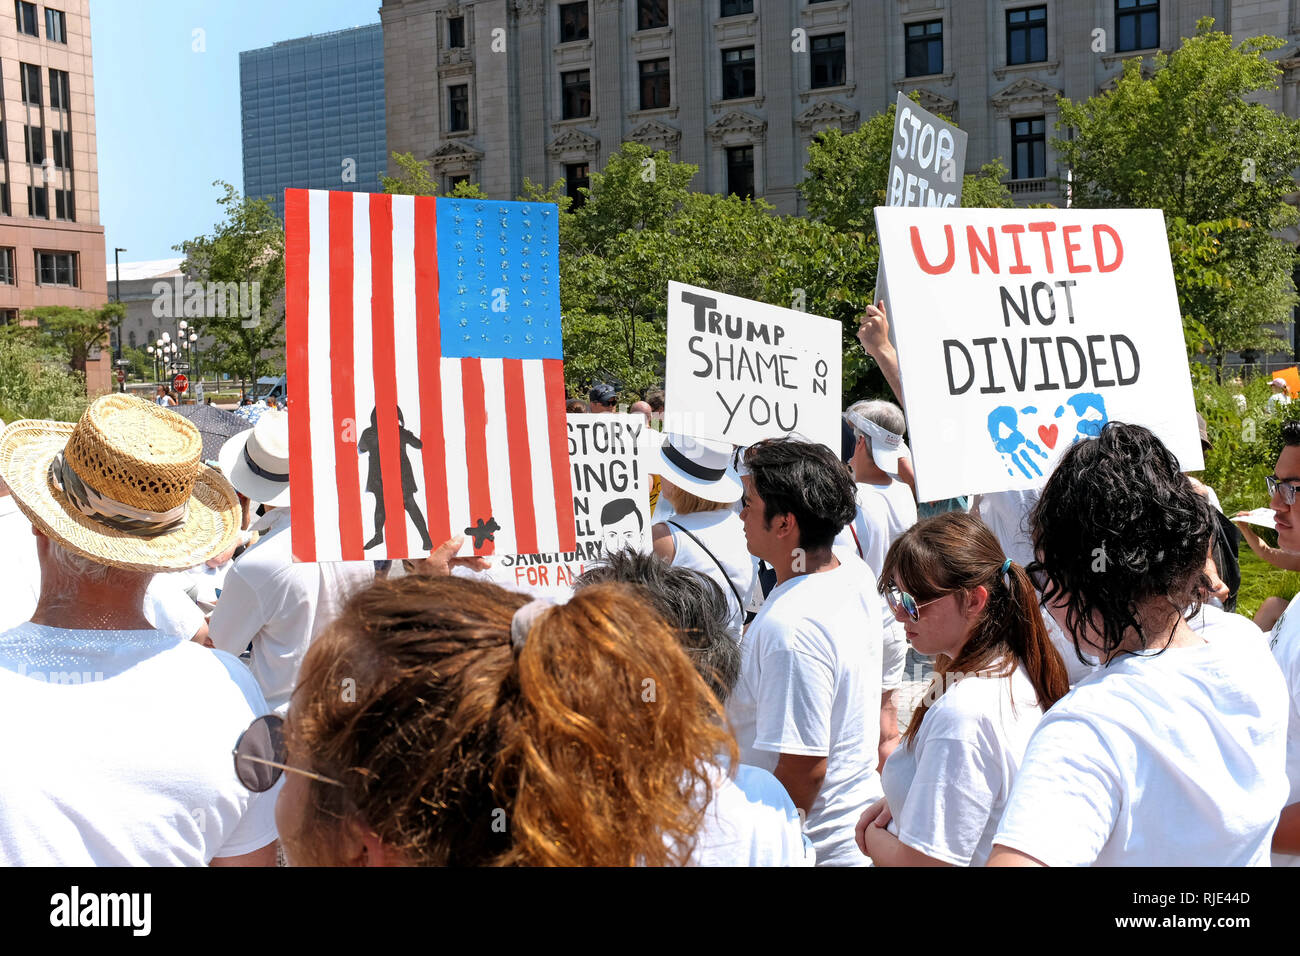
[(621, 525)]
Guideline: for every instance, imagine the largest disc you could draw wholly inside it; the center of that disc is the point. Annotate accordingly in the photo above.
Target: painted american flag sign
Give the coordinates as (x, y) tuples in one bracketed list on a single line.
[(425, 376)]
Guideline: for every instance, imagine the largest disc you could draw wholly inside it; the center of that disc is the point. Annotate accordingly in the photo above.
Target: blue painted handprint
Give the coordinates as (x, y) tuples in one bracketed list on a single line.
[(1011, 443), (1091, 409)]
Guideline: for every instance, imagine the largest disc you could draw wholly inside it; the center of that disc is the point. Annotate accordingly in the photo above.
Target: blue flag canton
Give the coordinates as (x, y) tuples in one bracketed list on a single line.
[(499, 279)]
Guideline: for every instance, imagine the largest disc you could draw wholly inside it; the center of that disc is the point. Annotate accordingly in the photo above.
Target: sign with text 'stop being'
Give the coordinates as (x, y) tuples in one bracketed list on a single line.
[(927, 159), (740, 371), (1022, 331)]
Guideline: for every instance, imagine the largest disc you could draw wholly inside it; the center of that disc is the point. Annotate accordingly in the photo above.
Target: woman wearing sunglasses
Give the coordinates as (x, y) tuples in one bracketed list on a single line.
[(961, 600), (443, 721)]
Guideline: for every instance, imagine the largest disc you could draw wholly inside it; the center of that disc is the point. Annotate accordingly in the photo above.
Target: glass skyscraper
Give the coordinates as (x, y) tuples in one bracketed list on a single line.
[(313, 114)]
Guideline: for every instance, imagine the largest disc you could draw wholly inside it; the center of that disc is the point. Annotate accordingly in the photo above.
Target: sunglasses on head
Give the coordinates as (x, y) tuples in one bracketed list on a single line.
[(260, 755), (901, 599)]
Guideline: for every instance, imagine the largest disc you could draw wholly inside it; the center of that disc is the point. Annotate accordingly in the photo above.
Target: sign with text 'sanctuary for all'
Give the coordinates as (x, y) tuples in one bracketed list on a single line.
[(740, 371), (425, 376), (1022, 331)]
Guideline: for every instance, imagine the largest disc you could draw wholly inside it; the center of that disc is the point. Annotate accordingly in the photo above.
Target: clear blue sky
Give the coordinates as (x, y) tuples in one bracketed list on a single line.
[(167, 116)]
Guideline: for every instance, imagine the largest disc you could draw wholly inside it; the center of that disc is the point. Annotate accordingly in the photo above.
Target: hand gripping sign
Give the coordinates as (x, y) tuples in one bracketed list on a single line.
[(1022, 331)]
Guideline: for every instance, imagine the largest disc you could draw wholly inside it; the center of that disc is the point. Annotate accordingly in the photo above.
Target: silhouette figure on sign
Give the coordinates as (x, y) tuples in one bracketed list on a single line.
[(483, 532), (368, 444)]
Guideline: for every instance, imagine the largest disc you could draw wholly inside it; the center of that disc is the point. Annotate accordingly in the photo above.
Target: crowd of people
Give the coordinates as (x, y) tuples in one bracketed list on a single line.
[(728, 696)]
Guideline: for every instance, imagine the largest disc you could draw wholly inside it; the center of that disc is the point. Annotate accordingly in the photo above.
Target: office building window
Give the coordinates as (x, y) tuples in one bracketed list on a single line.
[(38, 202), (5, 208), (828, 61), (651, 14), (925, 48), (458, 113), (1137, 24), (738, 73), (56, 268), (27, 18), (34, 144), (30, 75), (8, 316), (1028, 148), (455, 32), (733, 8), (573, 22), (1027, 35), (455, 180), (655, 89), (61, 140), (56, 26), (63, 205), (740, 171), (576, 176), (130, 338), (59, 98), (7, 274), (576, 89)]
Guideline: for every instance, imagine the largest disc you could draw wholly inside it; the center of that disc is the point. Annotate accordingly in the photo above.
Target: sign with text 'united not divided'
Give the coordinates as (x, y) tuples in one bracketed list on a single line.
[(1022, 331)]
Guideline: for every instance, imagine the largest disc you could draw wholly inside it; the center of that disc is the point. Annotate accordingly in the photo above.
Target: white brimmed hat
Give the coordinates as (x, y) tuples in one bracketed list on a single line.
[(123, 486), (699, 466), (257, 460), (886, 447)]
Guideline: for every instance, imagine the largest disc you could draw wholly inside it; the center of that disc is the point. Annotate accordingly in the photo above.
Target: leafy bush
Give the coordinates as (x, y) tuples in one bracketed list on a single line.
[(35, 385)]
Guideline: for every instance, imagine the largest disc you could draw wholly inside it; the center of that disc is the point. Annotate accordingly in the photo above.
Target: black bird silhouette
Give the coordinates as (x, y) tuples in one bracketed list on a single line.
[(483, 532)]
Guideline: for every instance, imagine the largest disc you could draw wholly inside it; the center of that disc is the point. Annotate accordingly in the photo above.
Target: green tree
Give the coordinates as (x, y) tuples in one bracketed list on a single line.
[(74, 333), (1188, 141), (247, 246), (33, 384), (414, 179)]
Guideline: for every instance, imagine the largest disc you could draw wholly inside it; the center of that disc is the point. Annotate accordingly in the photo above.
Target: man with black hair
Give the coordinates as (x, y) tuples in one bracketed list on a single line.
[(751, 820), (621, 525), (1284, 639), (805, 707)]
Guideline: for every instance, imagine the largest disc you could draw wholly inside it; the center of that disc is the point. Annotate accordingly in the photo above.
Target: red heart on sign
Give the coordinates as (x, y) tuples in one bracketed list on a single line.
[(1048, 434)]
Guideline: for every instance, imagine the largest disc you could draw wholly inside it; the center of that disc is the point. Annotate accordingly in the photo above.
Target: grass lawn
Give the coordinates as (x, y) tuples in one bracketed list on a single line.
[(1260, 580)]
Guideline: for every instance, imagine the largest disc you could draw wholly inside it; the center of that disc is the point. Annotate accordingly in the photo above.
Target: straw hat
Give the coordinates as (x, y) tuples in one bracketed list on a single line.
[(256, 460), (699, 466), (123, 487)]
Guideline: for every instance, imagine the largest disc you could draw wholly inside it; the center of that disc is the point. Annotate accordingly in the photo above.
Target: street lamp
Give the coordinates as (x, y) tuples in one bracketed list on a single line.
[(153, 355), (117, 296)]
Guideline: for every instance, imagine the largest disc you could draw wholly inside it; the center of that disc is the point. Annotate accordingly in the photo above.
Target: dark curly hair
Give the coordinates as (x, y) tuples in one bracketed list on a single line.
[(806, 480), (1118, 525)]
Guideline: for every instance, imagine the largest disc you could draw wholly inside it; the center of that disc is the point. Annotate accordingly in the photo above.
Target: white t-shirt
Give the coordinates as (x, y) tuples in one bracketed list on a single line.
[(810, 685), (280, 606), (124, 742), (735, 570), (751, 821), (884, 512), (947, 791), (168, 608), (1172, 759), (1007, 515), (1284, 641)]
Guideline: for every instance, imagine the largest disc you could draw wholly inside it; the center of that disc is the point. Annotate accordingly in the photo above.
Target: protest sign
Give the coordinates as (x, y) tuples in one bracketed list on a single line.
[(1022, 331), (608, 460), (927, 164), (740, 371), (927, 159), (425, 376)]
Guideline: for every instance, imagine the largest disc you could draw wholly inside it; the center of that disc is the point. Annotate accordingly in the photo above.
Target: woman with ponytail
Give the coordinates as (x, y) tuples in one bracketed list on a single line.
[(445, 722), (960, 599)]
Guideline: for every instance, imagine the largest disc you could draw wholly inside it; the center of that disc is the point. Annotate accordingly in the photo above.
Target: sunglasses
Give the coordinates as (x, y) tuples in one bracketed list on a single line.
[(901, 599), (260, 755), (1275, 484)]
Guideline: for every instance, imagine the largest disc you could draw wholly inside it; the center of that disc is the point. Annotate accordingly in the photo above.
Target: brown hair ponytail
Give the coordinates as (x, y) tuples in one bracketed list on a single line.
[(955, 552)]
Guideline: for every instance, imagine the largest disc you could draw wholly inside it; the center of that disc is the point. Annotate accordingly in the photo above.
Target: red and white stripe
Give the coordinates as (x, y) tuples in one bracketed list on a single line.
[(362, 333)]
